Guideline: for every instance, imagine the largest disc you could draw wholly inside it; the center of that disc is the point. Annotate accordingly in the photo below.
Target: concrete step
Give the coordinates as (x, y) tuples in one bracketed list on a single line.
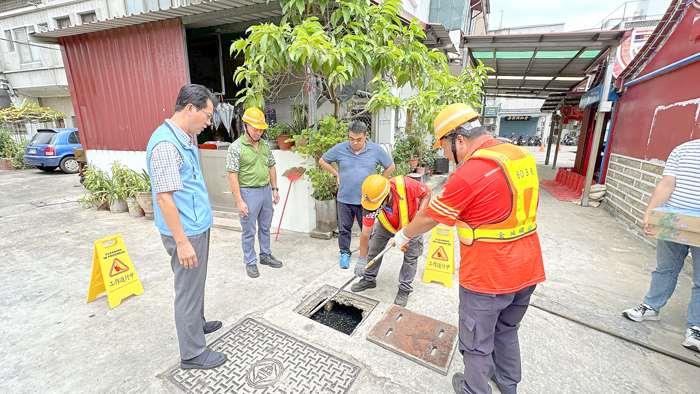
[(227, 223)]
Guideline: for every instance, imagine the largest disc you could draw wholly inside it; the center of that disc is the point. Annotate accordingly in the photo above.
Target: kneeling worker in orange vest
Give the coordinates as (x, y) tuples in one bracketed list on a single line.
[(389, 204), (492, 199)]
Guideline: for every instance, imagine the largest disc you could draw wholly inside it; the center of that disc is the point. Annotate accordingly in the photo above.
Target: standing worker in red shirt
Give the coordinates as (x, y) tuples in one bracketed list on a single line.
[(393, 203), (492, 199)]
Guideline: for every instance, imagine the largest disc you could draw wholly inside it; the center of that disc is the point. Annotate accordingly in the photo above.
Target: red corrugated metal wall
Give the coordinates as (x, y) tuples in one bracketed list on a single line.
[(656, 115), (124, 82)]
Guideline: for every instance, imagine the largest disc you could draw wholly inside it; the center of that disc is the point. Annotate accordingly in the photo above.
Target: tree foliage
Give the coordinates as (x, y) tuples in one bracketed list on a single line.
[(332, 43), (29, 111)]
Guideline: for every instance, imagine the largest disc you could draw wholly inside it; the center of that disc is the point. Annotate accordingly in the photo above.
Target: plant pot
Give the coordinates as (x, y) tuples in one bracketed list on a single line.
[(6, 164), (134, 208), (102, 205), (326, 215), (118, 206), (145, 201), (282, 142)]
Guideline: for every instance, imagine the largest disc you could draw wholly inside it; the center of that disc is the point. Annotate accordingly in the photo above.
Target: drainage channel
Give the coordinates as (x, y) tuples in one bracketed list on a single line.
[(344, 314)]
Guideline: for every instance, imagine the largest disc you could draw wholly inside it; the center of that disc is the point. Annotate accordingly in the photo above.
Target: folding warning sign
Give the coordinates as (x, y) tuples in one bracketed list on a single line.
[(113, 272), (440, 265)]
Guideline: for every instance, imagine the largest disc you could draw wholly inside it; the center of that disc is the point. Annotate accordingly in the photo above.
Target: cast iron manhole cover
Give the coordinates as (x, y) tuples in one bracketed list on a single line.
[(427, 341), (262, 359)]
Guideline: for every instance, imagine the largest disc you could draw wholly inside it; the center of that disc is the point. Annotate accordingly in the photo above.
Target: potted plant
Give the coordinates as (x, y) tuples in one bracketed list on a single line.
[(132, 180), (325, 189), (144, 196), (7, 150), (96, 184), (117, 189), (274, 131), (315, 141)]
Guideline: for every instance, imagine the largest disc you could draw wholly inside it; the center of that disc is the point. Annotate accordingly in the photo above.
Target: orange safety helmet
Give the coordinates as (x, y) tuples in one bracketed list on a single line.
[(255, 117), (451, 117), (375, 188)]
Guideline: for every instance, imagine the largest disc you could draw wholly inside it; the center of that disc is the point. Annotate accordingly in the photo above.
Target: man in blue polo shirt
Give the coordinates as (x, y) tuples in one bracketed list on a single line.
[(182, 215), (356, 159)]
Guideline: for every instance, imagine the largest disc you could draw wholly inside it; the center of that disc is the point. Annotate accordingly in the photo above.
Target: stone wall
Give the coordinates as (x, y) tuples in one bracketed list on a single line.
[(630, 182)]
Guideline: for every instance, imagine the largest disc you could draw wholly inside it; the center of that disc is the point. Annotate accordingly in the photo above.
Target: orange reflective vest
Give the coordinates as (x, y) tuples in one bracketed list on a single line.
[(521, 172), (403, 206)]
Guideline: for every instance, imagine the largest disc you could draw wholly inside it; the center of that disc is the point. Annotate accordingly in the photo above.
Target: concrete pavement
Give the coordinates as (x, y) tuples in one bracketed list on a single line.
[(54, 341)]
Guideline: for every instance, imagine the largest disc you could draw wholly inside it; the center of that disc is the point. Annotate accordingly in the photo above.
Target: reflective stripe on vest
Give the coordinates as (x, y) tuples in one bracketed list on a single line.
[(521, 172), (403, 207)]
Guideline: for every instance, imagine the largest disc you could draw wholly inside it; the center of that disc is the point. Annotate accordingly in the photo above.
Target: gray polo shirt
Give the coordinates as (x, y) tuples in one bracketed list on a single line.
[(353, 167)]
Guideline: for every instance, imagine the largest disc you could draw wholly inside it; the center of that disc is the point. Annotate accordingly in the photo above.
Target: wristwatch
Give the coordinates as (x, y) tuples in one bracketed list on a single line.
[(274, 189)]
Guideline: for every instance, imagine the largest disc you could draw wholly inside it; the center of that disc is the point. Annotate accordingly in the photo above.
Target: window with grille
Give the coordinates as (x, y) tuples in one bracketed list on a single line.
[(88, 17), (9, 44), (63, 22), (27, 52)]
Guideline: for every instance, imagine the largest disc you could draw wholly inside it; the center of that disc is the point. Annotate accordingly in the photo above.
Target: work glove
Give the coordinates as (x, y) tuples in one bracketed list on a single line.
[(360, 264), (401, 240)]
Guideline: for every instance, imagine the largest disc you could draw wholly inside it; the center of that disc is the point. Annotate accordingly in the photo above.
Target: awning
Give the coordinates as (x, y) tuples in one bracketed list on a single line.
[(556, 100), (537, 65), (202, 12), (438, 37)]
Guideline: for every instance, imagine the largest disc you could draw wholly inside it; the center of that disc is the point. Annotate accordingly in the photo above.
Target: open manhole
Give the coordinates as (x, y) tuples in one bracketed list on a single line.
[(344, 313)]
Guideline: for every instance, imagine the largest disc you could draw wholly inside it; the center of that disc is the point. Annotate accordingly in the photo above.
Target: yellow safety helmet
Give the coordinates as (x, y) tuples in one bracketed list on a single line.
[(451, 117), (255, 117), (375, 188)]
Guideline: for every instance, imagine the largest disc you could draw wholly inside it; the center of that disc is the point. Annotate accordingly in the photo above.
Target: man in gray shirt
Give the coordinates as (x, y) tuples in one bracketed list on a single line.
[(356, 158)]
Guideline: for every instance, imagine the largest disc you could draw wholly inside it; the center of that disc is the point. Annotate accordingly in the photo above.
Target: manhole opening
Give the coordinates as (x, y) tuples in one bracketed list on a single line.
[(343, 318), (344, 313)]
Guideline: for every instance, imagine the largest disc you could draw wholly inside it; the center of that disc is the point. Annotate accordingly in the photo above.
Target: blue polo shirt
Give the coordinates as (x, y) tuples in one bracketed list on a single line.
[(353, 167)]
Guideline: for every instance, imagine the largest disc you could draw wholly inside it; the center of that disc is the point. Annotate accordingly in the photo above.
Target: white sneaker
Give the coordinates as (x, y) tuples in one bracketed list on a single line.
[(692, 338), (640, 313)]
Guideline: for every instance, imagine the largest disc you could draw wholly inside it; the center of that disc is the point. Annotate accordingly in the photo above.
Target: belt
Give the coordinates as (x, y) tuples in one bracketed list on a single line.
[(254, 187)]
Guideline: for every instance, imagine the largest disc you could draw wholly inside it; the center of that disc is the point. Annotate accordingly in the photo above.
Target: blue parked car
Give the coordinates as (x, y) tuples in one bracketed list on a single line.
[(51, 148)]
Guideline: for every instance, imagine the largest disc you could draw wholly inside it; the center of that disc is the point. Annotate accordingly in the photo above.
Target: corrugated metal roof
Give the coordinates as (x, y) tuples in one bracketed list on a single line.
[(124, 82), (212, 9), (556, 100), (536, 65), (438, 37)]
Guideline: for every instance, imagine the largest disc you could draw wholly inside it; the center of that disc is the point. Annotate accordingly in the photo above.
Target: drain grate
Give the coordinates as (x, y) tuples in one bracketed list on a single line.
[(422, 339), (346, 312), (262, 359)]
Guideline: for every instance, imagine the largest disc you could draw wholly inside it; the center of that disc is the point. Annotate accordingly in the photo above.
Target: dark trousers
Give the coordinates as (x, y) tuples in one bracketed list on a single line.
[(189, 295), (347, 215), (488, 338)]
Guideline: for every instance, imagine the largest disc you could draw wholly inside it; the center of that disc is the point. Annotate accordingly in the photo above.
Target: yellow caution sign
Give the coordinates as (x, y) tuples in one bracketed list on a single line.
[(113, 272), (440, 265)]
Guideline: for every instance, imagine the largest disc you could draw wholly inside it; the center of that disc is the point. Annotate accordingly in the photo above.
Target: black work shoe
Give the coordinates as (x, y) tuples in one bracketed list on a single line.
[(270, 261), (402, 297), (252, 270), (212, 326), (207, 360), (458, 382), (363, 285)]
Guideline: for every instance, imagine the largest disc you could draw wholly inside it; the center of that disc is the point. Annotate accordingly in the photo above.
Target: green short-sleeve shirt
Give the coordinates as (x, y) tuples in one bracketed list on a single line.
[(252, 165)]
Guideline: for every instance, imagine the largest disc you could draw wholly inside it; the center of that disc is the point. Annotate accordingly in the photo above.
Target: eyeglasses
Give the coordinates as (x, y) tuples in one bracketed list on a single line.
[(210, 115)]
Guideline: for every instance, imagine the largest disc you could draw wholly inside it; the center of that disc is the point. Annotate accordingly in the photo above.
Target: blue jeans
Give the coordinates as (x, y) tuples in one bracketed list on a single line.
[(670, 257), (347, 215), (259, 201)]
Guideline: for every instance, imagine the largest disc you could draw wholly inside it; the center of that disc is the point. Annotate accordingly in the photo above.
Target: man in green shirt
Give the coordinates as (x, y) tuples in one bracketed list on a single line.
[(253, 181)]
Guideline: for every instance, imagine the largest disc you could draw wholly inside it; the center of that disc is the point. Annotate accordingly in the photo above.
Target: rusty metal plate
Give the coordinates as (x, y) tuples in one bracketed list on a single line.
[(262, 359), (427, 341)]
